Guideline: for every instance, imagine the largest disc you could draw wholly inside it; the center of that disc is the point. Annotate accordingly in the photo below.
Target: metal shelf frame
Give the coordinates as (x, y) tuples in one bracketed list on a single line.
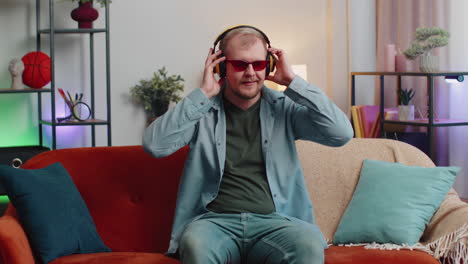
[(430, 122), (51, 31)]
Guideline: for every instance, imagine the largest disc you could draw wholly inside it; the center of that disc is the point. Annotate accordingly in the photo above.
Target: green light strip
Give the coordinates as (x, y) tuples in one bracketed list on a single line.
[(4, 199)]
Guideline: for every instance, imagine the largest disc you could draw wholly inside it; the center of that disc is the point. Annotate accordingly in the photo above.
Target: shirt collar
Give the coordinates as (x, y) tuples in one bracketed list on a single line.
[(268, 94)]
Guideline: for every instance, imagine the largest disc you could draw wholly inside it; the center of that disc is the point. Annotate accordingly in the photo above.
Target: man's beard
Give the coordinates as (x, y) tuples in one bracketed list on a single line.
[(246, 96)]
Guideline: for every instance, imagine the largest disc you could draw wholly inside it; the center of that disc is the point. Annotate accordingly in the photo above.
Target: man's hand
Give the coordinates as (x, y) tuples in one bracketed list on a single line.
[(284, 73), (210, 87)]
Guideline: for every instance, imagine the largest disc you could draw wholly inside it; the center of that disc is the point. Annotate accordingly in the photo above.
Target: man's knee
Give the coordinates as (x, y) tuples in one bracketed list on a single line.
[(306, 245), (202, 243), (194, 240), (309, 250)]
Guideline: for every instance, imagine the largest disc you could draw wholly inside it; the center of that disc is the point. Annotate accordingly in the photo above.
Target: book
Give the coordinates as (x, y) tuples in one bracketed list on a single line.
[(369, 115), (366, 120), (375, 131), (355, 115)]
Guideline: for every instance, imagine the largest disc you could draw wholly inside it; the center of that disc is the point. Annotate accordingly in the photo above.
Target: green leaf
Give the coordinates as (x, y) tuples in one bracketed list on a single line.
[(160, 87)]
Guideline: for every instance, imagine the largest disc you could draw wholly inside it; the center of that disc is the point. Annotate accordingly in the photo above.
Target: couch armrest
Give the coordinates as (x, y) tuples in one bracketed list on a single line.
[(447, 232), (14, 245)]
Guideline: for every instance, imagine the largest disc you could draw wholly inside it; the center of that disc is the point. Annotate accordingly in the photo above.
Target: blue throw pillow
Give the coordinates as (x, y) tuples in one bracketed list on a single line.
[(52, 212), (393, 203)]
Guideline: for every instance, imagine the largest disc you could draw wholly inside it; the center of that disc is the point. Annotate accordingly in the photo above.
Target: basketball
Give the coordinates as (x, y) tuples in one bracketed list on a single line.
[(36, 72)]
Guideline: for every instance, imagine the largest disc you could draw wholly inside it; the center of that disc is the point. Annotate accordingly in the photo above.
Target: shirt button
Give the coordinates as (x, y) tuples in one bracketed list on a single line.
[(266, 141), (274, 195), (202, 103)]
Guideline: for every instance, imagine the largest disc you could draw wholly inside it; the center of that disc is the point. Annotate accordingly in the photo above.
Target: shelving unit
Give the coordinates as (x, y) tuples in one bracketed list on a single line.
[(51, 31), (430, 122), (52, 122)]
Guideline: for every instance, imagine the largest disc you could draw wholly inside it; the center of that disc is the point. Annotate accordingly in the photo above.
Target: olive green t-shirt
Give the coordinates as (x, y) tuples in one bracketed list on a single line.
[(244, 186)]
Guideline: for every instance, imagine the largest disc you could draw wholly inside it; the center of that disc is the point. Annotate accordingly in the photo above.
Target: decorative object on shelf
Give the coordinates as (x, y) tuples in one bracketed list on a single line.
[(405, 110), (389, 59), (85, 14), (36, 72), (16, 68), (101, 2), (427, 39), (156, 94), (79, 111), (400, 62), (75, 109), (429, 63)]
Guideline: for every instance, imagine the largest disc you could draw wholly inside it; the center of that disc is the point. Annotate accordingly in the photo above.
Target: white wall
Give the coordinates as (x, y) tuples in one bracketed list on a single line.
[(178, 35), (362, 47), (147, 35)]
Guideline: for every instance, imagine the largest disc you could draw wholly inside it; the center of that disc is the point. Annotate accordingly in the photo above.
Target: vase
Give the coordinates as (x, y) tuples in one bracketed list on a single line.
[(406, 112), (159, 107), (429, 63), (401, 63), (85, 14)]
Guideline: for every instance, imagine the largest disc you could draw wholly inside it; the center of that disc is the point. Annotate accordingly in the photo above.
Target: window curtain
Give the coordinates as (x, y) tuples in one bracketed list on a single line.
[(397, 21)]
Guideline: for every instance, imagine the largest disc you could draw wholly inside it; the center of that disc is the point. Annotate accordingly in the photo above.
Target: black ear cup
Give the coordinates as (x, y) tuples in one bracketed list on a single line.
[(222, 69)]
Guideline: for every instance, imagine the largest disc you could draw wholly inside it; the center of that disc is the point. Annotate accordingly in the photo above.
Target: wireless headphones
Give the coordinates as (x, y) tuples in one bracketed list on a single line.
[(220, 69)]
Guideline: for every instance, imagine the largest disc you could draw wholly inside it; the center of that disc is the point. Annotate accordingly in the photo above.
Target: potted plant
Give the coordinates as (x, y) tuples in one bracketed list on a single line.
[(405, 110), (156, 93), (427, 39)]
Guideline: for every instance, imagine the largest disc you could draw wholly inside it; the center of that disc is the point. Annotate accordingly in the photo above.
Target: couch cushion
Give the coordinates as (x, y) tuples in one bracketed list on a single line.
[(360, 255), (116, 257), (393, 202), (331, 173), (130, 195), (52, 212)]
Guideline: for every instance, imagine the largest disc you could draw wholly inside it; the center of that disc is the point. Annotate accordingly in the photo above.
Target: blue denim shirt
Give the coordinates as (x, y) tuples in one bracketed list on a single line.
[(302, 111)]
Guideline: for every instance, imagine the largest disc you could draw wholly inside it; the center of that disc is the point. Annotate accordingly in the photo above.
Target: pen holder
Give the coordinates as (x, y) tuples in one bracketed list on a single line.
[(73, 114), (77, 112)]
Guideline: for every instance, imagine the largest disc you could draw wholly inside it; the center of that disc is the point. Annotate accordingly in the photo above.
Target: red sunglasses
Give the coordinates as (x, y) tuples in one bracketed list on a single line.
[(240, 65)]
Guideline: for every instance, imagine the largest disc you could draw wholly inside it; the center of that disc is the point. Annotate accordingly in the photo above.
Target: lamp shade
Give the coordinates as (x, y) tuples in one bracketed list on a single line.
[(300, 69)]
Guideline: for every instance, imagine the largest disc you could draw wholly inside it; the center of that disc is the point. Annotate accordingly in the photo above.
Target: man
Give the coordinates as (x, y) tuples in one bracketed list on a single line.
[(242, 196)]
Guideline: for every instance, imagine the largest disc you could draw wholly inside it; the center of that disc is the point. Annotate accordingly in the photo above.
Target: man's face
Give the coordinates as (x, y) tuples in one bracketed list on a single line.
[(247, 84)]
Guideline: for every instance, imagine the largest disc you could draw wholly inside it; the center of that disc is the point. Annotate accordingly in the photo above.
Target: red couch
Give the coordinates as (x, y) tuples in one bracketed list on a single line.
[(131, 197)]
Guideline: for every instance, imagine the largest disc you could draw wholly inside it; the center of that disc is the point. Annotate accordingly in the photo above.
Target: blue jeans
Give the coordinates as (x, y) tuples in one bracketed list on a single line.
[(251, 238)]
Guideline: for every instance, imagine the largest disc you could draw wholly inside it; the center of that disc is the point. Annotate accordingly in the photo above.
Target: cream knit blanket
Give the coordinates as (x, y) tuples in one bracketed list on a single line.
[(331, 176)]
